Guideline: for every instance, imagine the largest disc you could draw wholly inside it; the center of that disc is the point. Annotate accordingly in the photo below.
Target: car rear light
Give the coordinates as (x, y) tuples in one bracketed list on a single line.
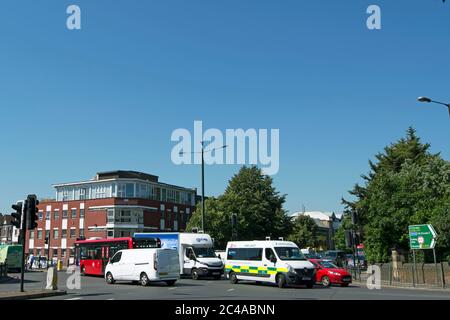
[(155, 262)]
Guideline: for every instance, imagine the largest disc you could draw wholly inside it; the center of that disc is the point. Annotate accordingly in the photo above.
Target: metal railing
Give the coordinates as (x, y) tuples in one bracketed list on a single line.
[(406, 275)]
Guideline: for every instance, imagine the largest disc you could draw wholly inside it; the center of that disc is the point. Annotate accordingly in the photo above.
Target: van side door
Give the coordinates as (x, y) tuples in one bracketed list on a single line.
[(270, 263), (115, 266)]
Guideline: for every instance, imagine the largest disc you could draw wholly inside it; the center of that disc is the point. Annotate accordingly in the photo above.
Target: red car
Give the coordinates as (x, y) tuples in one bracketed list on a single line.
[(328, 273)]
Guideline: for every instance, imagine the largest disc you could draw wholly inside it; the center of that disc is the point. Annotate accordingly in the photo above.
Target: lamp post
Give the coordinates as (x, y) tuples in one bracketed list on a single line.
[(428, 100), (203, 176)]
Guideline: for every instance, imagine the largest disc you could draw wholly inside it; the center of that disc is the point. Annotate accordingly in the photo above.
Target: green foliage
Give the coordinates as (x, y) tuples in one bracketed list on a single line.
[(305, 232), (339, 236), (259, 208), (408, 185)]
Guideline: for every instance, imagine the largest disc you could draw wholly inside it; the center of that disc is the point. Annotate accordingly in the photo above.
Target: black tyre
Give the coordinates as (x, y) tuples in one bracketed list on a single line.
[(326, 281), (310, 285), (143, 280), (281, 281), (110, 278), (194, 274), (233, 278), (170, 282)]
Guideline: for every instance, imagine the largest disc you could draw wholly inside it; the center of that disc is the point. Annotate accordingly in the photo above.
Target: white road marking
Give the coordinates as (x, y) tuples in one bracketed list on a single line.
[(172, 288), (110, 299), (74, 298), (230, 290)]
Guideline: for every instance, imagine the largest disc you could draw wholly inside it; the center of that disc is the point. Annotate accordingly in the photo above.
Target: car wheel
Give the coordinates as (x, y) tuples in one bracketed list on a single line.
[(83, 271), (110, 278), (170, 282), (281, 281), (326, 281), (233, 278), (310, 285), (144, 279), (194, 274)]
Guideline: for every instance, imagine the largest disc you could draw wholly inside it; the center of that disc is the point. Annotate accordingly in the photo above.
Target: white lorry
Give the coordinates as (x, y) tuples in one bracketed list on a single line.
[(143, 266), (196, 254)]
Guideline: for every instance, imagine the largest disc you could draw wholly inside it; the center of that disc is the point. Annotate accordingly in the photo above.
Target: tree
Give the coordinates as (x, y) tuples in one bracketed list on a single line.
[(259, 208), (407, 185), (304, 232), (339, 236)]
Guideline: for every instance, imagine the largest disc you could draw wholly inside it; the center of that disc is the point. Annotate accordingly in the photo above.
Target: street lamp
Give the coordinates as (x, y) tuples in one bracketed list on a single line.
[(428, 100), (203, 176)]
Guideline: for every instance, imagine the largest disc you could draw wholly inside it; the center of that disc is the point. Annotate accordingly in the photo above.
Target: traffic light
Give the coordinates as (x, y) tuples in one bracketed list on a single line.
[(349, 238), (234, 220), (32, 211), (17, 222)]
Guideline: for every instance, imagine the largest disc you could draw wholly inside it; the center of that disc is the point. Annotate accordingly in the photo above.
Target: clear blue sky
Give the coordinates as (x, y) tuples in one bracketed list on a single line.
[(109, 96)]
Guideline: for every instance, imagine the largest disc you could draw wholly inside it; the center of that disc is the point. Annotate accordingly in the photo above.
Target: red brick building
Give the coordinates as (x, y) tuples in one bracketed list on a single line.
[(113, 204)]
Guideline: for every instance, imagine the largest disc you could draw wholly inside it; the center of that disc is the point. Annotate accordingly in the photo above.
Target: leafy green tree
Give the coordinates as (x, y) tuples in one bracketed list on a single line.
[(258, 205), (304, 232), (339, 236), (408, 185)]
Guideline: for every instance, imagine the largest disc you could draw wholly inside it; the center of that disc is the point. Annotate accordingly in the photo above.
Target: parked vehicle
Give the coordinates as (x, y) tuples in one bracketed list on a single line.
[(222, 255), (360, 261), (338, 257), (11, 255), (144, 266), (328, 273), (196, 253), (279, 262), (92, 255)]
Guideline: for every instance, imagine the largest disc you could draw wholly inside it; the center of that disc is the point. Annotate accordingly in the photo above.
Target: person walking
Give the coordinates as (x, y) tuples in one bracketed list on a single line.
[(31, 261)]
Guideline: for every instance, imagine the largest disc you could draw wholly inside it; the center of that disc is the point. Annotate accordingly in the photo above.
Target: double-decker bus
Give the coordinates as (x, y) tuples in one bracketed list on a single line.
[(93, 255)]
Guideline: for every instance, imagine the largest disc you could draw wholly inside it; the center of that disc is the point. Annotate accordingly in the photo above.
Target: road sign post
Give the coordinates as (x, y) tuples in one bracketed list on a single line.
[(422, 237)]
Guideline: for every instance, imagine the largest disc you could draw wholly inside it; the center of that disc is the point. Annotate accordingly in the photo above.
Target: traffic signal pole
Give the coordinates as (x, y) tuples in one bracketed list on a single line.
[(24, 235)]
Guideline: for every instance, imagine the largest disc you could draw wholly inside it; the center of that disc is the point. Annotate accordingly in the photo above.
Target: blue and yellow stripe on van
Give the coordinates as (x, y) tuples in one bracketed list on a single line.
[(255, 271)]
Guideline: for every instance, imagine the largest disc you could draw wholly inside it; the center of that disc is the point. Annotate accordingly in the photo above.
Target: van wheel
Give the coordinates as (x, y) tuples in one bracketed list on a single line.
[(144, 279), (83, 271), (170, 282), (194, 274), (110, 278), (326, 281), (233, 278), (281, 281)]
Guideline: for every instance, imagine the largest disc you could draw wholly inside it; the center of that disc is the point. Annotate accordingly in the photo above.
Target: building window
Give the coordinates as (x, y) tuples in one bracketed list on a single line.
[(56, 214), (48, 215), (74, 213), (64, 214), (63, 253), (39, 234), (71, 252), (40, 215), (64, 234), (55, 233), (55, 253), (72, 233), (130, 190), (110, 233), (121, 190), (81, 213), (83, 193), (31, 234), (81, 233), (110, 215)]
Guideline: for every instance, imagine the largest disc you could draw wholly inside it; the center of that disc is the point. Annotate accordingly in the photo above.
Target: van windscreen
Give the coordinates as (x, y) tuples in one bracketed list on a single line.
[(289, 253)]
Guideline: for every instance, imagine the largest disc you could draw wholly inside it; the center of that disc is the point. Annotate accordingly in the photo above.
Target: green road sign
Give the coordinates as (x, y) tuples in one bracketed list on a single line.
[(422, 236)]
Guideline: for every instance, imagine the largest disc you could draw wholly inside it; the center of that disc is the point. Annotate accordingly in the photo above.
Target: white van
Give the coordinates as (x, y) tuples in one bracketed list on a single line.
[(197, 256), (144, 266), (279, 262)]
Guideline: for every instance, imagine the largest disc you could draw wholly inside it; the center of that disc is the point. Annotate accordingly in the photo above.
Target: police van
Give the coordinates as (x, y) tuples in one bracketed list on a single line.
[(279, 262)]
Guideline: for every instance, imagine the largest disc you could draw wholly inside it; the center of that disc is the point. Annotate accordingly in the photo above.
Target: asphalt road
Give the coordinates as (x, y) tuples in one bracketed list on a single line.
[(95, 288)]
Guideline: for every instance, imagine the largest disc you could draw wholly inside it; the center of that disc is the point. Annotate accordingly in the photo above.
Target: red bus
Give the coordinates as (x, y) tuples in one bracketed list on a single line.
[(93, 255)]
